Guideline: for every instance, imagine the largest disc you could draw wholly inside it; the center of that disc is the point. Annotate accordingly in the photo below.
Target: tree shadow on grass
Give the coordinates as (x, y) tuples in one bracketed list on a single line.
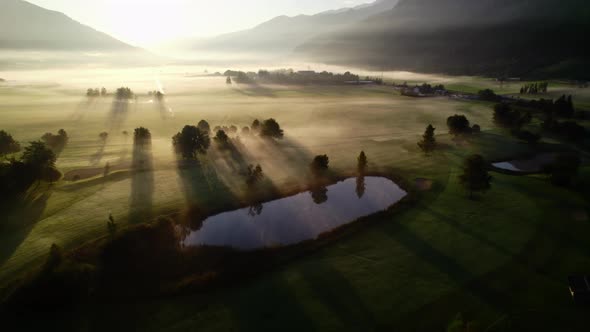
[(269, 305), (335, 292), (98, 155), (460, 275), (142, 184), (118, 114), (203, 189), (255, 90), (21, 217)]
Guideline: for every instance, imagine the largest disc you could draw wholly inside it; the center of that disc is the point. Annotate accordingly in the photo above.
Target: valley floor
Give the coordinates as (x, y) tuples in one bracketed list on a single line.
[(502, 260)]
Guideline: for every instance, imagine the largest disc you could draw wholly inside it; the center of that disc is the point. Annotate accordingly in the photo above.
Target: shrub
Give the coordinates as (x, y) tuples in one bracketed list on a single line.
[(458, 125)]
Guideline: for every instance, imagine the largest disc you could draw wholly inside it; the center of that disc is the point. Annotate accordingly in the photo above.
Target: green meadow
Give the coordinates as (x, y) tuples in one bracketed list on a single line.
[(501, 260)]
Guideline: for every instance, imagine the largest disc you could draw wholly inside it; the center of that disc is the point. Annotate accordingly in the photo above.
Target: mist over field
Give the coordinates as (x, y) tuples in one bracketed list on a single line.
[(411, 165)]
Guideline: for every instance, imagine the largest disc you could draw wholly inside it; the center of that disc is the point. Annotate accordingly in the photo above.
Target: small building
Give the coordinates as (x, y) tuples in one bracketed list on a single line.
[(580, 288)]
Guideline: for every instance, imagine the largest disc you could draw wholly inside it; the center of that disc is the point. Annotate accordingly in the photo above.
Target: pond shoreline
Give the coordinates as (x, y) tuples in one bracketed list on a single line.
[(227, 266)]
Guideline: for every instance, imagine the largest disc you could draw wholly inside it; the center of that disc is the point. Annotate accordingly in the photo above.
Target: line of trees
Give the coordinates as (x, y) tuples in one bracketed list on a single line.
[(562, 107), (289, 76), (96, 92), (534, 88), (507, 117)]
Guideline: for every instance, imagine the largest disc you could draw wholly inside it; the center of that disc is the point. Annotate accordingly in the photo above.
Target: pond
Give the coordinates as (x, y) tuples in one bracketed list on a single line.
[(531, 165), (297, 218)]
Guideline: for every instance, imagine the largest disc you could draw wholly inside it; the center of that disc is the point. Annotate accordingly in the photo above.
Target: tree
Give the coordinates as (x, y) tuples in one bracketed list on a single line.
[(488, 95), (458, 125), (476, 129), (505, 116), (39, 157), (56, 142), (255, 126), (51, 175), (124, 93), (142, 137), (107, 169), (228, 80), (54, 259), (204, 126), (475, 175), (7, 144), (112, 226), (103, 92), (103, 136), (564, 169), (362, 162), (254, 175), (191, 141), (233, 129), (320, 163), (271, 128), (246, 131), (428, 142), (221, 138)]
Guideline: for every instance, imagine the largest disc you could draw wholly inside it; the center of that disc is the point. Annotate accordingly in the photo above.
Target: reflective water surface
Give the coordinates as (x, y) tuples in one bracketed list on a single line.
[(298, 218), (534, 164)]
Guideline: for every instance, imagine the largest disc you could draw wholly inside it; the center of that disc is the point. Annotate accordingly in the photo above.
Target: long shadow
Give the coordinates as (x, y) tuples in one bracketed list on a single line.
[(118, 114), (445, 264), (522, 257), (269, 305), (163, 109), (22, 217), (142, 184), (234, 155), (97, 156), (84, 106), (333, 290), (204, 191), (255, 90)]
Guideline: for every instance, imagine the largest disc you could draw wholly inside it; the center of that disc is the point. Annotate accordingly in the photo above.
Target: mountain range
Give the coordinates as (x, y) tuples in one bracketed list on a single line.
[(283, 34), (516, 38), (25, 26), (483, 37)]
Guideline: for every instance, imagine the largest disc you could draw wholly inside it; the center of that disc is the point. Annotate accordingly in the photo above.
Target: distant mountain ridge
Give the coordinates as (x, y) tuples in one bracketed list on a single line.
[(25, 26), (283, 33), (490, 37)]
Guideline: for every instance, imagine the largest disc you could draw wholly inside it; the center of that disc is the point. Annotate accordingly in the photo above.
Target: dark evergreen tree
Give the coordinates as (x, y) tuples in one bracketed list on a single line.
[(428, 142), (362, 163), (475, 175)]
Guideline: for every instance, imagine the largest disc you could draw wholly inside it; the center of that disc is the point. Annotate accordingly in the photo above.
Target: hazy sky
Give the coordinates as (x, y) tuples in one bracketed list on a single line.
[(145, 22)]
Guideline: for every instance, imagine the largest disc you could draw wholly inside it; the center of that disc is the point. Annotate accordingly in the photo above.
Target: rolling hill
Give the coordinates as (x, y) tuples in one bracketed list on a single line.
[(25, 26), (490, 37)]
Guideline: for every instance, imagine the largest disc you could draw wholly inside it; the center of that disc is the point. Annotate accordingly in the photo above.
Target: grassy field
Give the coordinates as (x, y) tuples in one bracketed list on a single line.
[(501, 259)]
